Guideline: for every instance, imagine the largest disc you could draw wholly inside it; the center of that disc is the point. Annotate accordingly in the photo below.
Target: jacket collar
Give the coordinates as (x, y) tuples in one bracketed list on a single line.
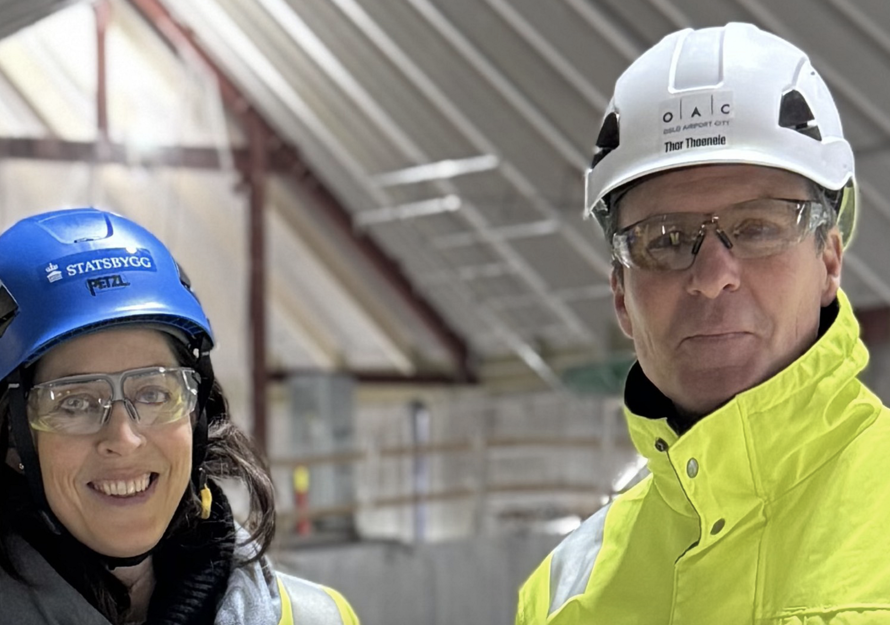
[(766, 439)]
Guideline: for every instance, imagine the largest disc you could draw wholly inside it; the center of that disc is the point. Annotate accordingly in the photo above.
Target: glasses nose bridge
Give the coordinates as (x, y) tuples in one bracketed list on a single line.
[(116, 383), (712, 220), (128, 405)]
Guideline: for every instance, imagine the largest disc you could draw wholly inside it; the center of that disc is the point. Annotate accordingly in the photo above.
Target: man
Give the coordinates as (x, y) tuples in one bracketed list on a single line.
[(726, 190)]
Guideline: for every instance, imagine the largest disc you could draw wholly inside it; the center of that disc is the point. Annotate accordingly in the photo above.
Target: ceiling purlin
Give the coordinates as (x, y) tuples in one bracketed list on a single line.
[(384, 121), (438, 99), (301, 172)]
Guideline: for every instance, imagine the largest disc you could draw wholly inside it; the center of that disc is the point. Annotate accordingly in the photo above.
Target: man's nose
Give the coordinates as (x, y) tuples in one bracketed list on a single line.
[(715, 268)]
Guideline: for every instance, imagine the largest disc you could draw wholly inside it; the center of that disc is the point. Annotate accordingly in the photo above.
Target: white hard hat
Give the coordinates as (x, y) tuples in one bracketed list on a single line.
[(733, 94)]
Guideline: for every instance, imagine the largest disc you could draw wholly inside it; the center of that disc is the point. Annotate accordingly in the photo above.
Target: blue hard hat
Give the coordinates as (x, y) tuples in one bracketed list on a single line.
[(79, 270)]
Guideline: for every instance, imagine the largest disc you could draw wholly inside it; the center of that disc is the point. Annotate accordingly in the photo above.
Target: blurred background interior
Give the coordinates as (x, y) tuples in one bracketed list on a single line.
[(379, 204)]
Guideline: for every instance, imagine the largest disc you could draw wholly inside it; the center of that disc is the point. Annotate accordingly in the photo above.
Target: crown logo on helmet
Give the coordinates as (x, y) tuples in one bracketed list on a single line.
[(52, 272)]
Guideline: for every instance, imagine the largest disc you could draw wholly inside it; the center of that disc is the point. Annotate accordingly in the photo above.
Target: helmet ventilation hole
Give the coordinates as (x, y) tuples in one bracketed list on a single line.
[(795, 113), (608, 138)]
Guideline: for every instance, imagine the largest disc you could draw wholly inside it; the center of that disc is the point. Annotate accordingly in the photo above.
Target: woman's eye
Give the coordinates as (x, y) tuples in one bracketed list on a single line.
[(77, 404), (152, 396)]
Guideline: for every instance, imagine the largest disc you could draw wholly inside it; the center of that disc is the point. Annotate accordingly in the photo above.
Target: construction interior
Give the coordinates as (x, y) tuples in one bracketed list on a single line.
[(379, 204)]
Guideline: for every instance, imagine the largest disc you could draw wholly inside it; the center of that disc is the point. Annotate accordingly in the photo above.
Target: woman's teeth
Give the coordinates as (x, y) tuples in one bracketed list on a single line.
[(120, 488)]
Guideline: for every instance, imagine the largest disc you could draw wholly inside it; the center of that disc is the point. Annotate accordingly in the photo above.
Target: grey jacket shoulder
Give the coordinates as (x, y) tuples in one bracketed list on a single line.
[(252, 596), (45, 598)]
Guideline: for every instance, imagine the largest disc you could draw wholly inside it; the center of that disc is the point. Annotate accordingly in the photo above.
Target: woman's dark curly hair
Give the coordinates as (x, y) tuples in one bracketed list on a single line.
[(230, 455)]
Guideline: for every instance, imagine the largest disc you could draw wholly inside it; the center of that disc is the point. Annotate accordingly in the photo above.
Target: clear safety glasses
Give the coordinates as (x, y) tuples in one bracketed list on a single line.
[(82, 404), (751, 229)]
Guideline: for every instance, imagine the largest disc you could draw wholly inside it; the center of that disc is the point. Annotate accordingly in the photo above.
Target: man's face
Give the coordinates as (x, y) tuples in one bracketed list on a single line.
[(724, 325)]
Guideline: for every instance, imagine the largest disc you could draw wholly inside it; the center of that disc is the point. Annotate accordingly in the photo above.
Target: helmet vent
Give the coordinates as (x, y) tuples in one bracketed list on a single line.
[(183, 277), (608, 138), (77, 226), (795, 113)]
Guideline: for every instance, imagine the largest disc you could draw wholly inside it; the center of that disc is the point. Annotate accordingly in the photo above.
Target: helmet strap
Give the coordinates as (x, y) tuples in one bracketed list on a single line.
[(114, 563), (4, 440), (199, 432), (24, 443)]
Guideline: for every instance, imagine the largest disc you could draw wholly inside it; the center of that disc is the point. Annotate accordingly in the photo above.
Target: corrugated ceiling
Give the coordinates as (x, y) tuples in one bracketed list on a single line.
[(368, 90)]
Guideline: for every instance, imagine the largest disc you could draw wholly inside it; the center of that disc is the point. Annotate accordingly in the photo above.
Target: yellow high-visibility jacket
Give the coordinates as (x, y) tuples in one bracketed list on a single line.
[(774, 509)]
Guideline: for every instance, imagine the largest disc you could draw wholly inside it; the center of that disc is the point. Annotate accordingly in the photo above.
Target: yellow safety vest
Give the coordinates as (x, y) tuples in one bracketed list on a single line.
[(772, 510)]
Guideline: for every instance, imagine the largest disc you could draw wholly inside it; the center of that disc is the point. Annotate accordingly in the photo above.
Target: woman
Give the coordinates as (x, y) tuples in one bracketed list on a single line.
[(115, 433)]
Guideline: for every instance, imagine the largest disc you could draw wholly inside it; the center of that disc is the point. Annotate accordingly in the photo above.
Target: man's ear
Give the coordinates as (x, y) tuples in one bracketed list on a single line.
[(833, 257), (618, 299)]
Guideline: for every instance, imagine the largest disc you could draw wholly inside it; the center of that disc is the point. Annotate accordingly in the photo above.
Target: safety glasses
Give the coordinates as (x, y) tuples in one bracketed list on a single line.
[(751, 229), (82, 404)]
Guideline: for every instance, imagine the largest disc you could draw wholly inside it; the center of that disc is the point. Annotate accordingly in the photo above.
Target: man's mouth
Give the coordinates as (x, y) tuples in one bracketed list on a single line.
[(718, 334)]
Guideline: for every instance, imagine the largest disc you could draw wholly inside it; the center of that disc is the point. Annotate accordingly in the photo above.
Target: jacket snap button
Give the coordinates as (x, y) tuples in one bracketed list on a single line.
[(660, 445), (718, 526), (692, 467)]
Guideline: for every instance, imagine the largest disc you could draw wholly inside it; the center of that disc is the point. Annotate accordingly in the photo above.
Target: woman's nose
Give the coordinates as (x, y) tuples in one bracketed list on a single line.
[(120, 435)]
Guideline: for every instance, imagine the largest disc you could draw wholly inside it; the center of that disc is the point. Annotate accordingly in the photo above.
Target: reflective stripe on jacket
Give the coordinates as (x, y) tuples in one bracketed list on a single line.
[(305, 603), (257, 595), (772, 510)]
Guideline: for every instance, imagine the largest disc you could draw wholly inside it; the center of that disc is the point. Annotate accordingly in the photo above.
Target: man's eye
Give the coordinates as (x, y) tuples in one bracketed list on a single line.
[(668, 240), (756, 229)]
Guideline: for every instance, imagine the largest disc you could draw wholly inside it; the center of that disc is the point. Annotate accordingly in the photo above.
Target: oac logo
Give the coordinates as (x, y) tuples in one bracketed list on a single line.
[(696, 112)]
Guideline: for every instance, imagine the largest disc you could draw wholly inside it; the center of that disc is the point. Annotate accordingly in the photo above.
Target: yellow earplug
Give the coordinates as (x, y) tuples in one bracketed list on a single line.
[(206, 501), (206, 495)]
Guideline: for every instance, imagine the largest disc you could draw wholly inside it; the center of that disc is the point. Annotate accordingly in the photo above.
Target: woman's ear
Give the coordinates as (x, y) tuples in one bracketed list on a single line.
[(7, 446), (13, 461)]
